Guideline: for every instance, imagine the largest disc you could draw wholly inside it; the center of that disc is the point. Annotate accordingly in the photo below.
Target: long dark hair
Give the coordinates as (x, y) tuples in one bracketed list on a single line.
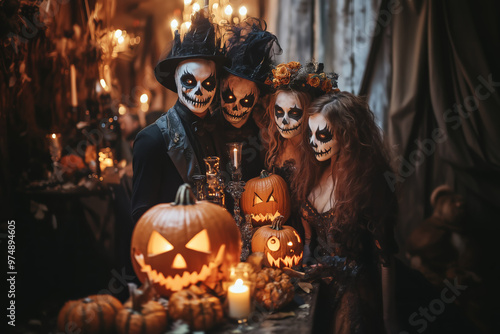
[(361, 192)]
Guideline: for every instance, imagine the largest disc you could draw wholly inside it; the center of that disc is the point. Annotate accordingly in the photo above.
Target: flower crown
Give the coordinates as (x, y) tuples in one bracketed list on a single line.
[(308, 78)]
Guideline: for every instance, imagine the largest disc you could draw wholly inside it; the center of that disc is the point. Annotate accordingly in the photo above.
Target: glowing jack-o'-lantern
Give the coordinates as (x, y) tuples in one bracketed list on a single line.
[(183, 243), (281, 245), (265, 198)]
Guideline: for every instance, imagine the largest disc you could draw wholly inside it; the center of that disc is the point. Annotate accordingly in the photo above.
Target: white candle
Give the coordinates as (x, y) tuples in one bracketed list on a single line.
[(239, 300), (74, 98), (235, 151)]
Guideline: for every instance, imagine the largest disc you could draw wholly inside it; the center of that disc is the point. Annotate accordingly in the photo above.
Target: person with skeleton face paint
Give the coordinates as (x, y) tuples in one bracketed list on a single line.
[(250, 49), (348, 211), (170, 151), (296, 86)]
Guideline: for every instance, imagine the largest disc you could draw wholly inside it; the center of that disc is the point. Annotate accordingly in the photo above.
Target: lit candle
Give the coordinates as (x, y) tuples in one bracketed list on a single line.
[(235, 152), (54, 141), (74, 98), (239, 300)]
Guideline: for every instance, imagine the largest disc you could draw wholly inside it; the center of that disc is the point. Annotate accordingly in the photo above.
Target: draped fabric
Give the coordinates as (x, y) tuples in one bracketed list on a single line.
[(431, 77)]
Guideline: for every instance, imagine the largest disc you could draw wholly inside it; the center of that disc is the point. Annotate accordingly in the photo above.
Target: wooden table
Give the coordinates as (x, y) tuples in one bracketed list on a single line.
[(300, 317)]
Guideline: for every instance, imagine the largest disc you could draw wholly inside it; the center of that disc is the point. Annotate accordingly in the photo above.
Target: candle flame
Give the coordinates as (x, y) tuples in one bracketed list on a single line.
[(243, 11), (174, 24), (196, 7), (118, 33), (228, 10), (54, 135), (238, 283)]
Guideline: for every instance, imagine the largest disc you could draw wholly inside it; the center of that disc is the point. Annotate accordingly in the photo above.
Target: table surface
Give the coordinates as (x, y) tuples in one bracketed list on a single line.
[(299, 317)]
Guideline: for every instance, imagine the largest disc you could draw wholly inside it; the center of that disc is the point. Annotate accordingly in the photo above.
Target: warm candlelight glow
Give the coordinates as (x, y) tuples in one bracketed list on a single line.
[(121, 39), (215, 6), (239, 300), (54, 136), (196, 7), (174, 24), (144, 98), (118, 33), (187, 2), (228, 10), (103, 84), (122, 109), (243, 11)]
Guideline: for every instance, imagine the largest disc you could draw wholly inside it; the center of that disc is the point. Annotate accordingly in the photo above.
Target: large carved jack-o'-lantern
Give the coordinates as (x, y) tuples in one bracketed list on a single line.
[(265, 198), (281, 245), (183, 243)]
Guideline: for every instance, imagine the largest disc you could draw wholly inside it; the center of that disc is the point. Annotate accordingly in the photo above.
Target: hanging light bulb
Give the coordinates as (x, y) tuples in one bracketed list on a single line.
[(243, 11)]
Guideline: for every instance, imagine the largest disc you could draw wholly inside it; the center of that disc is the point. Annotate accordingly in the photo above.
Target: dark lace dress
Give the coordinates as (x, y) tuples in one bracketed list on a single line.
[(351, 296)]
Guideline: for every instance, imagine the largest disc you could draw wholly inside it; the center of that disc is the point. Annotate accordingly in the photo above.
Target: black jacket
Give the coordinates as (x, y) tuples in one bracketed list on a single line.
[(167, 154)]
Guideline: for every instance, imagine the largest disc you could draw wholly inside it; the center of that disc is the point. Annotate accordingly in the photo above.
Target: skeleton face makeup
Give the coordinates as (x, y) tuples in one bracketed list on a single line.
[(321, 138), (238, 98), (195, 80), (288, 114)]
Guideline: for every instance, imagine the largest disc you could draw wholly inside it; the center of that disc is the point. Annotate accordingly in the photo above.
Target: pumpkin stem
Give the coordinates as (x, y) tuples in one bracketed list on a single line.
[(264, 173), (277, 223), (184, 196)]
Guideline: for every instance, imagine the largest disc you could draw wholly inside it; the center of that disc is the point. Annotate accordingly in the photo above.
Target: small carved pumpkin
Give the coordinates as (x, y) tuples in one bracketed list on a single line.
[(141, 314), (91, 315), (185, 242), (273, 289), (281, 245), (201, 311), (265, 198)]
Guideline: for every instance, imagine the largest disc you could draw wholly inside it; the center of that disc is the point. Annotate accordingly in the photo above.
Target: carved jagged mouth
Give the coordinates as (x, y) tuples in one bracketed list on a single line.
[(195, 102), (238, 117), (319, 154), (288, 130), (288, 261), (179, 282), (267, 217)]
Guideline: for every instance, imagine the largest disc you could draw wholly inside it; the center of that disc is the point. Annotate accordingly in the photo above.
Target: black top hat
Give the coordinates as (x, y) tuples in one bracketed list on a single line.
[(250, 50), (201, 41)]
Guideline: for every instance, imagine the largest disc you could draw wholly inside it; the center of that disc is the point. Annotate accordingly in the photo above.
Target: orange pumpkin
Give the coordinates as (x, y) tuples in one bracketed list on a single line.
[(200, 310), (185, 242), (91, 315), (281, 245), (265, 198), (141, 314)]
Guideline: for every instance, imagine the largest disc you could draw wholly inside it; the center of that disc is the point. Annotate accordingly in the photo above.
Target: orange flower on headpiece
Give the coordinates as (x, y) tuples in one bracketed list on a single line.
[(326, 85), (294, 66), (313, 80)]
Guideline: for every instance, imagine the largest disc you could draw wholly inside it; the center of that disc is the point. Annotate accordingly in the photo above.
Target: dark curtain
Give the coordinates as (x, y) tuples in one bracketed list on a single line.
[(444, 106), (443, 119)]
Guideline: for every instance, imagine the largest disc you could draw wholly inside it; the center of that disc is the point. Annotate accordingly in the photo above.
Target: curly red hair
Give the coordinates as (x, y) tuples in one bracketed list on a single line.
[(361, 192)]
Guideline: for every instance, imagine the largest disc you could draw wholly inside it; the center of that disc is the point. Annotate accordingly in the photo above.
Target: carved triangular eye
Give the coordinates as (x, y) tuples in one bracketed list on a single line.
[(271, 198), (158, 244), (200, 242), (257, 199)]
